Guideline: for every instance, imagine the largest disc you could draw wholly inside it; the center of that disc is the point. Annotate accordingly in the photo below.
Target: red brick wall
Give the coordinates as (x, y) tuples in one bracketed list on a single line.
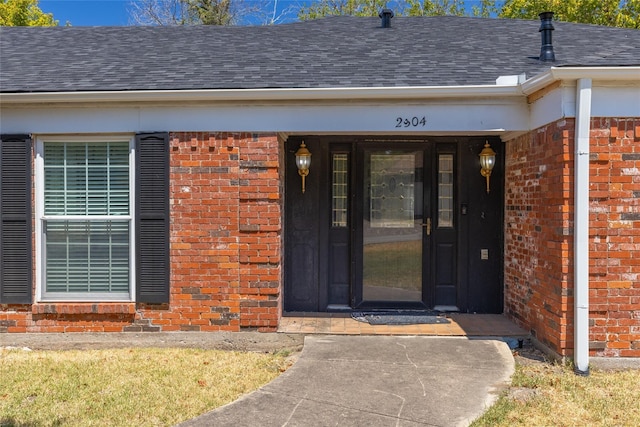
[(539, 235), (225, 247), (614, 294)]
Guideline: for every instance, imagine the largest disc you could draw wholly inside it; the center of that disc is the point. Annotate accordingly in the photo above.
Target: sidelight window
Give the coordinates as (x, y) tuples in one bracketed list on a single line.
[(339, 190), (445, 190)]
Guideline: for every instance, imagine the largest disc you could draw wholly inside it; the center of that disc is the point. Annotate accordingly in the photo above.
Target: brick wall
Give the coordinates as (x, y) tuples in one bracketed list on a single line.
[(225, 247), (614, 232), (539, 235)]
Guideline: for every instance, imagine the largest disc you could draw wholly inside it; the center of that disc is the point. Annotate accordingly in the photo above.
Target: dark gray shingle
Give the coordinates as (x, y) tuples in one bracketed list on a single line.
[(331, 52)]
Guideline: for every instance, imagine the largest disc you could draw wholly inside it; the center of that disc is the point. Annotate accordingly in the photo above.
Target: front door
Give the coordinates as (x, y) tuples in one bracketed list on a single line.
[(404, 214), (390, 223)]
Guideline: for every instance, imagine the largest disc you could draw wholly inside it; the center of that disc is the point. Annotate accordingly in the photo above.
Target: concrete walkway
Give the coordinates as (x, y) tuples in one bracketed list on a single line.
[(377, 381)]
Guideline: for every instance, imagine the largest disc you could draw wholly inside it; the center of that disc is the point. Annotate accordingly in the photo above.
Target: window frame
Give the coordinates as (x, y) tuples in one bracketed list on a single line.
[(440, 186), (344, 207), (40, 218)]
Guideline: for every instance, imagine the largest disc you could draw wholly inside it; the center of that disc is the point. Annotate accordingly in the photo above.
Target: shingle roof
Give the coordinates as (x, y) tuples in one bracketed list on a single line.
[(330, 52)]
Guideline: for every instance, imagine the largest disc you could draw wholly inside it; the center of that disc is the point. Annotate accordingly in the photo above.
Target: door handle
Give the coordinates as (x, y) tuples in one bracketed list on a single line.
[(428, 226)]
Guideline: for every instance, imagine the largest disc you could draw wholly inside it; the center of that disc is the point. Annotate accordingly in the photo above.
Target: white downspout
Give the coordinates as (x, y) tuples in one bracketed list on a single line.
[(581, 228)]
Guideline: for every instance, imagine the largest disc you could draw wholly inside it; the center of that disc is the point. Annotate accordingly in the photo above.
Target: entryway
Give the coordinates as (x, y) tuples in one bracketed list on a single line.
[(460, 324), (388, 223)]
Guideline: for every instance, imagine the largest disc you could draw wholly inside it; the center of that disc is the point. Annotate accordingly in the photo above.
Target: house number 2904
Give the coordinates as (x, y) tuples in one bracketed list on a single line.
[(411, 122)]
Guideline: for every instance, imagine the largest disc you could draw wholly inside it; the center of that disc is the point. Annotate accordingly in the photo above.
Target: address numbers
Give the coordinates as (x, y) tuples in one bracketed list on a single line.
[(411, 122)]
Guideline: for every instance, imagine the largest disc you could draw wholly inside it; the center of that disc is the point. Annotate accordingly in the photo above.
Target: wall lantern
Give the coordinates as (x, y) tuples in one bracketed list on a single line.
[(487, 162), (303, 161)]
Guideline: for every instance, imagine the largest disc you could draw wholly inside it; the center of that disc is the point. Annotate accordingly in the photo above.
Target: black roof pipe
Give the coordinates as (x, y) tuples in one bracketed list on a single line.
[(546, 27), (386, 15)]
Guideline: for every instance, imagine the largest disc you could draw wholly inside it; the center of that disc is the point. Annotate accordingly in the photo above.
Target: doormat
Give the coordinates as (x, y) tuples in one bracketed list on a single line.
[(400, 317)]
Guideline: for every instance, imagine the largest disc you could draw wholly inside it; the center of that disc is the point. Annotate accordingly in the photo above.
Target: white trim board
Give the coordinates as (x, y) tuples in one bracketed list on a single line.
[(480, 116)]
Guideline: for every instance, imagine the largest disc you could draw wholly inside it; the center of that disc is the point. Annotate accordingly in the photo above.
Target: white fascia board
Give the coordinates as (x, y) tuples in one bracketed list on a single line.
[(555, 105), (438, 116), (265, 95), (616, 93), (619, 74)]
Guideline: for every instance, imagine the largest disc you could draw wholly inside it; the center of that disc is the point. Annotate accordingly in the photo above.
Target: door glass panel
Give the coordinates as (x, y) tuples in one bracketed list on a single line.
[(445, 190), (392, 226), (339, 190)]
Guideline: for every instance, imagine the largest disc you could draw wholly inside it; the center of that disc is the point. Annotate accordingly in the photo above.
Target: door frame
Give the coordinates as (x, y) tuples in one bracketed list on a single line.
[(306, 248)]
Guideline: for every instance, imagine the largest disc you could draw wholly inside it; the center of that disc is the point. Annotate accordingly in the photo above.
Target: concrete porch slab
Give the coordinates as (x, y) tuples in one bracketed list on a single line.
[(464, 325)]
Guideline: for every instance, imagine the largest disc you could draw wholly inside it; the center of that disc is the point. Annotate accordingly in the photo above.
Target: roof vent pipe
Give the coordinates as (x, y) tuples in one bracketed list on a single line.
[(386, 15), (546, 27)]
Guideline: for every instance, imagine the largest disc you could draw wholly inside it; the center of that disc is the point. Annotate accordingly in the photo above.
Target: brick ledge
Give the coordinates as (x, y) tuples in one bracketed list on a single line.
[(83, 308)]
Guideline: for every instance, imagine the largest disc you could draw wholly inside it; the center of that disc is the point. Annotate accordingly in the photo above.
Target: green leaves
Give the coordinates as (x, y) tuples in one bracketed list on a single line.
[(24, 13), (322, 8), (612, 13)]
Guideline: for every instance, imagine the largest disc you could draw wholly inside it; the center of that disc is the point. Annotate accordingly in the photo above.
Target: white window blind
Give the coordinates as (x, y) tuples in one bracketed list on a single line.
[(87, 217), (87, 179)]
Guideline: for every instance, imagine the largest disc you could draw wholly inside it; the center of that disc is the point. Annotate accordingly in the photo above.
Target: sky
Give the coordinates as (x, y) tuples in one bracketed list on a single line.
[(88, 12), (81, 13), (102, 12)]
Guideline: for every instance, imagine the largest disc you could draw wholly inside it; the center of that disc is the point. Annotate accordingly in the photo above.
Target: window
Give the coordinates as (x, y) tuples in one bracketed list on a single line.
[(339, 190), (393, 178), (445, 190), (84, 225)]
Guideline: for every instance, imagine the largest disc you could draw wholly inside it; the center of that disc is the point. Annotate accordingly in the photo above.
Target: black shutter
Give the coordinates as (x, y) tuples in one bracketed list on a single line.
[(152, 218), (15, 220)]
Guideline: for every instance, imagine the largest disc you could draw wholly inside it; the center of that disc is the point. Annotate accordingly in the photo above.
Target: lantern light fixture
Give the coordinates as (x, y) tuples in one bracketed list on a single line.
[(487, 162), (303, 161)]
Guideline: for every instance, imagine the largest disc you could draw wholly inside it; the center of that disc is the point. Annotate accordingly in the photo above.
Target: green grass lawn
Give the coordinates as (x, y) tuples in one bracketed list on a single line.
[(125, 387), (162, 387), (555, 396)]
